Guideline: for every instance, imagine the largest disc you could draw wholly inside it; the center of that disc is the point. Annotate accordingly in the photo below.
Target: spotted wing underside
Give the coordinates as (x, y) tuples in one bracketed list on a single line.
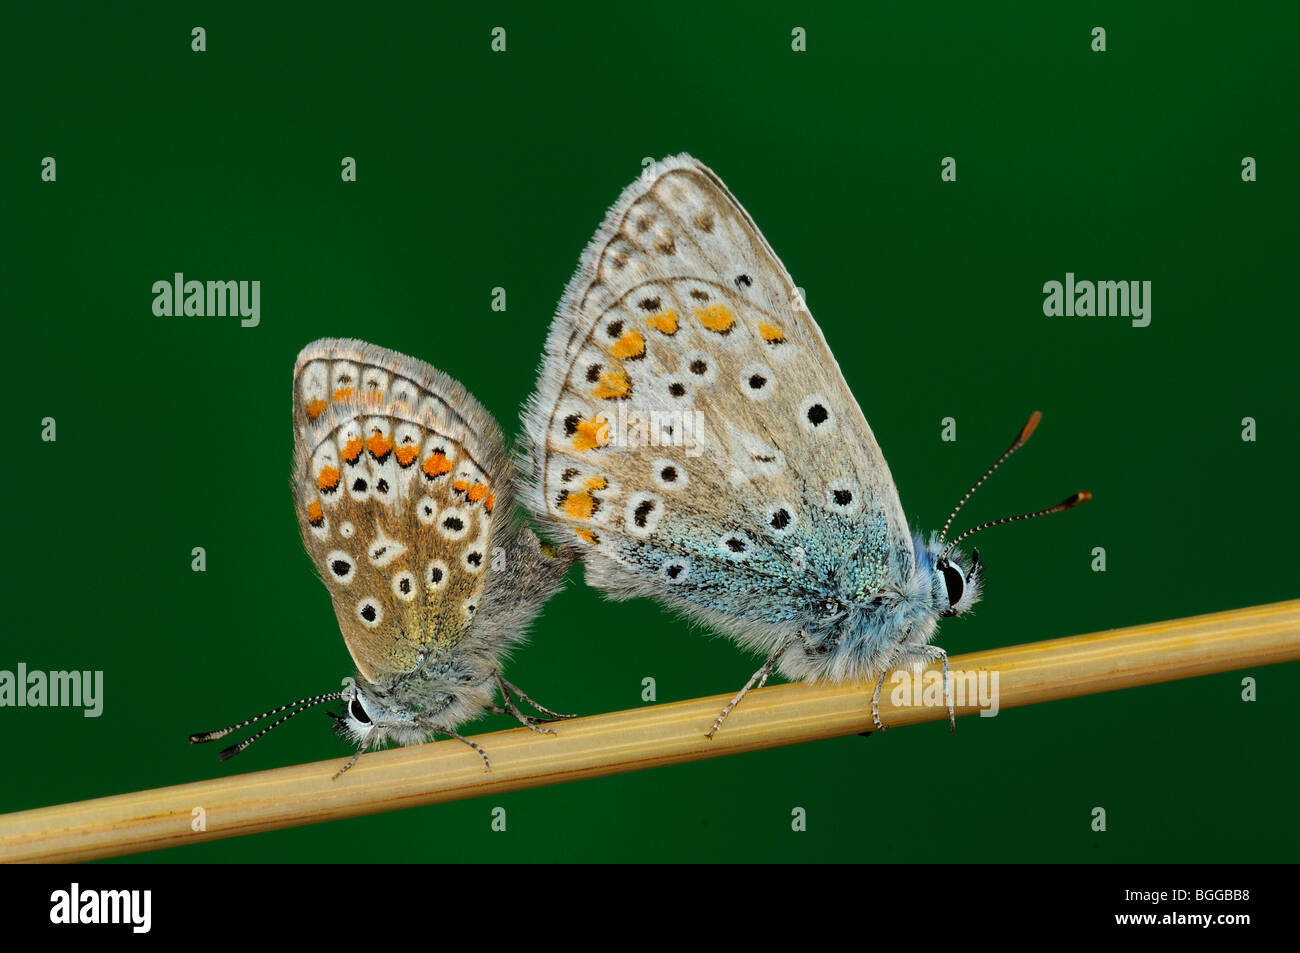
[(693, 435), (399, 476)]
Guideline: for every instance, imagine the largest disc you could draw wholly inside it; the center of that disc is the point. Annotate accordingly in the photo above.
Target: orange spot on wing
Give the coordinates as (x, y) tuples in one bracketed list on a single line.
[(587, 535), (436, 465), (614, 385), (591, 434), (379, 446), (315, 408), (665, 321), (771, 333), (629, 347), (315, 515), (490, 502), (352, 450), (597, 483), (476, 493), (344, 393), (580, 505), (460, 485), (328, 479), (717, 318), (407, 453)]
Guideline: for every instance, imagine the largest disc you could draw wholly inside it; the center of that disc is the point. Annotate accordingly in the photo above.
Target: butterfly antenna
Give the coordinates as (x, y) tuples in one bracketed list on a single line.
[(1067, 504), (299, 706), (1016, 444)]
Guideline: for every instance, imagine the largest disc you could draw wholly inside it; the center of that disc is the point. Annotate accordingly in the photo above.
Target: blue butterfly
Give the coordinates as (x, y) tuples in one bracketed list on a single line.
[(693, 440)]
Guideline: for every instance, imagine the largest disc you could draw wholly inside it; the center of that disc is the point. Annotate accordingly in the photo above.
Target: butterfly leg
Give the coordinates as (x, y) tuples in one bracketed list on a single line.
[(354, 759), (487, 765), (934, 652), (875, 700), (760, 677), (554, 715), (931, 652), (512, 708)]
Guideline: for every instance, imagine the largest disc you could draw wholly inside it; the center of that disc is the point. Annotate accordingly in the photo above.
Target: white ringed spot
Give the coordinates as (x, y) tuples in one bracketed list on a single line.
[(669, 474), (370, 612), (675, 570), (816, 415), (734, 546), (780, 519), (700, 367), (756, 381), (453, 523), (342, 568), (426, 511), (435, 575), (404, 585), (384, 549), (843, 496), (642, 514)]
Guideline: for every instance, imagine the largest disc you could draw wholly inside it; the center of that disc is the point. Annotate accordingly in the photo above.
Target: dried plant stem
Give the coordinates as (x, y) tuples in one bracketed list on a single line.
[(636, 739)]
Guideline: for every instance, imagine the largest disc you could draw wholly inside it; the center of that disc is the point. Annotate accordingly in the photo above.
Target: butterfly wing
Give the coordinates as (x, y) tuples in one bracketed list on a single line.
[(400, 476), (692, 434)]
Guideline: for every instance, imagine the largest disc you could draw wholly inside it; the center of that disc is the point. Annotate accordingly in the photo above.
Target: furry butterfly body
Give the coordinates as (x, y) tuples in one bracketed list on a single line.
[(783, 528)]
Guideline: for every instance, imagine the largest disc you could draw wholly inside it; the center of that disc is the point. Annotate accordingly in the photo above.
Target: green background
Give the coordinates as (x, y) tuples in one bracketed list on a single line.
[(479, 169)]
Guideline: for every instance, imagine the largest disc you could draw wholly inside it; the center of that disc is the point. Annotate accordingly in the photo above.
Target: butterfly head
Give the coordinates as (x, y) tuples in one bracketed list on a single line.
[(955, 582), (945, 582), (369, 717), (372, 716)]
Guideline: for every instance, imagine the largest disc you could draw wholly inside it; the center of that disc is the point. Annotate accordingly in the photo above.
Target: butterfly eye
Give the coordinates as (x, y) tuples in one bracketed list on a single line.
[(358, 712), (955, 583)]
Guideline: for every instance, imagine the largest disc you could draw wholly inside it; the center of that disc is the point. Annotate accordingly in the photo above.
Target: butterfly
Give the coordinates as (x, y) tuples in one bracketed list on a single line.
[(693, 440), (404, 495)]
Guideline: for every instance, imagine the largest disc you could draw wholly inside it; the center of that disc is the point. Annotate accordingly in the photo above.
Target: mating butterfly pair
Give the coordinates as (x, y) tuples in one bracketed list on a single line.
[(754, 498)]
